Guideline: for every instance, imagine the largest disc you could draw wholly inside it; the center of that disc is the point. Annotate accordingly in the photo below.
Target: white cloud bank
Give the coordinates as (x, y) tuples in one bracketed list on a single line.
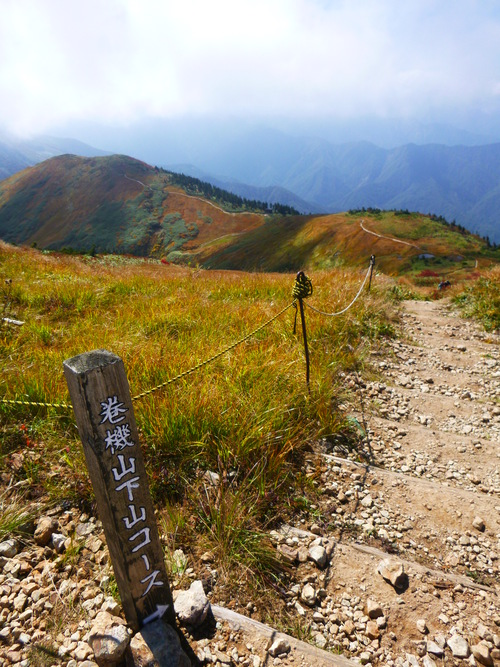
[(120, 60)]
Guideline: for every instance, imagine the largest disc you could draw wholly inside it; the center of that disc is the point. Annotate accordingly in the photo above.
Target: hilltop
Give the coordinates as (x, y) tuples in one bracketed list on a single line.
[(121, 205), (108, 204)]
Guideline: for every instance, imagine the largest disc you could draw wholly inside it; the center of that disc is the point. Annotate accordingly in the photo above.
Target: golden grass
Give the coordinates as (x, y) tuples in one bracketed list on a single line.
[(247, 416)]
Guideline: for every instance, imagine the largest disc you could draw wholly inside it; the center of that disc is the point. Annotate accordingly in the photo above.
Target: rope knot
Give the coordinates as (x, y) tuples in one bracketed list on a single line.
[(302, 287)]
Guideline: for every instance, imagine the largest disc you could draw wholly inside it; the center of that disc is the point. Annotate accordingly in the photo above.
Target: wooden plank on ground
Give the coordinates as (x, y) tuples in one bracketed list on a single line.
[(312, 654)]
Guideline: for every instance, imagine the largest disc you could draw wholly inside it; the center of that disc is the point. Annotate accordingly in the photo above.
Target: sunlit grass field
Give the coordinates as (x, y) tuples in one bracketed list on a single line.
[(248, 416), (225, 446)]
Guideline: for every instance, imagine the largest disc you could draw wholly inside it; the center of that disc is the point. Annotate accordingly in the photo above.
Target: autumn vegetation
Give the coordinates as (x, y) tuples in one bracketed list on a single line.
[(225, 445)]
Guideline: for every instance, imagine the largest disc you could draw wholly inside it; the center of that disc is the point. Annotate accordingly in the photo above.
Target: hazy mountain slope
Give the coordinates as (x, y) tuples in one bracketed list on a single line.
[(11, 161), (272, 194), (444, 180), (16, 154)]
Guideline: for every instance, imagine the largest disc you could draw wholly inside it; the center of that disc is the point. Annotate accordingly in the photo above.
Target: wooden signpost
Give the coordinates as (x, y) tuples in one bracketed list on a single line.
[(102, 404)]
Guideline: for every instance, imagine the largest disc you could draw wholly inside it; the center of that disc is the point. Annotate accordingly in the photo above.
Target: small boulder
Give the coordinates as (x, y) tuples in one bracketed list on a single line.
[(481, 653), (427, 661), (459, 646), (8, 548), (58, 542), (45, 527), (192, 606), (289, 553), (373, 609), (372, 630), (435, 649), (392, 571), (109, 638), (349, 627), (319, 556), (479, 524), (422, 626), (156, 644), (308, 595), (279, 647)]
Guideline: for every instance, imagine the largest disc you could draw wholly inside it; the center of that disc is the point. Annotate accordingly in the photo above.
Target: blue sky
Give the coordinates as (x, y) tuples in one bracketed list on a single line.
[(118, 61)]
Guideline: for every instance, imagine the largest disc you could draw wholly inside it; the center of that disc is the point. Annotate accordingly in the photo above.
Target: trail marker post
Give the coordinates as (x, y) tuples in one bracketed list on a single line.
[(104, 415)]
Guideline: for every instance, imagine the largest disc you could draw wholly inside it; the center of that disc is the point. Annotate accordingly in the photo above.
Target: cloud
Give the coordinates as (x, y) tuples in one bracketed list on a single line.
[(120, 60)]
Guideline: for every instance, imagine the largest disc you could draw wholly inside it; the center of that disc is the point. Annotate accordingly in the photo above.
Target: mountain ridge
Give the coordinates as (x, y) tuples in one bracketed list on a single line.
[(122, 205), (313, 175)]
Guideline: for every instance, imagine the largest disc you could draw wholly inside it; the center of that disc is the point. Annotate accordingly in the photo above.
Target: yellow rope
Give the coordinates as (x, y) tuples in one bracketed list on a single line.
[(216, 356), (65, 406)]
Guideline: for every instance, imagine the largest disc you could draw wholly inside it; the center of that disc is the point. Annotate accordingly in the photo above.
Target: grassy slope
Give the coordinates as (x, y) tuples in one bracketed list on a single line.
[(333, 240), (83, 203), (247, 416)]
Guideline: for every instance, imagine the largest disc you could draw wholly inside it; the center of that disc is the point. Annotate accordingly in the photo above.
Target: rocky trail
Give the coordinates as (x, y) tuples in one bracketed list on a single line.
[(399, 566)]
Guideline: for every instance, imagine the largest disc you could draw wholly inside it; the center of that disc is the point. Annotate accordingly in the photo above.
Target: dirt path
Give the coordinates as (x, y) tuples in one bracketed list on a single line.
[(428, 494), (389, 238), (422, 489)]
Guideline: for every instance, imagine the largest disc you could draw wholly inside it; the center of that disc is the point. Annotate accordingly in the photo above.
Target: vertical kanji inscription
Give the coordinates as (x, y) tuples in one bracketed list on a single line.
[(103, 410)]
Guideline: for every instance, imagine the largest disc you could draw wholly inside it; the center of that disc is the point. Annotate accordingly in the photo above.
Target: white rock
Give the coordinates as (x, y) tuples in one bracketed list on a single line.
[(279, 647), (192, 606), (459, 646), (58, 542), (392, 571), (308, 595), (422, 626), (318, 555), (8, 548), (111, 606), (434, 648), (367, 501)]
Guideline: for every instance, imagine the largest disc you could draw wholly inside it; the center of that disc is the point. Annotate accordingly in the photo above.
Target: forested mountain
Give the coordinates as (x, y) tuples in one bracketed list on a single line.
[(457, 182)]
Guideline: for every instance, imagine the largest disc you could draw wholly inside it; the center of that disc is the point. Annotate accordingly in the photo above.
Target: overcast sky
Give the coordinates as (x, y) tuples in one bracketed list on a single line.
[(117, 61)]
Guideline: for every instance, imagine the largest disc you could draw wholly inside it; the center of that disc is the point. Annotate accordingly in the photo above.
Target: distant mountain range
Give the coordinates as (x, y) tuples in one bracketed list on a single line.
[(122, 205), (461, 183)]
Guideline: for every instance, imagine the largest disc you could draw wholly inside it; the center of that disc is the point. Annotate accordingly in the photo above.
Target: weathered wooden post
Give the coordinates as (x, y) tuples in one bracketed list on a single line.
[(102, 405)]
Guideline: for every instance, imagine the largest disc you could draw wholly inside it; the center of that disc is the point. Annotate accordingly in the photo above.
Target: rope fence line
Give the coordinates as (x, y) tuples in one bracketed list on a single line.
[(216, 356), (302, 289), (63, 406), (344, 310)]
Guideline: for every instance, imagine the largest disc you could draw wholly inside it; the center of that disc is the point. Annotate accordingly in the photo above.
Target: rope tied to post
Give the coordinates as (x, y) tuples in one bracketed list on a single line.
[(302, 287)]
